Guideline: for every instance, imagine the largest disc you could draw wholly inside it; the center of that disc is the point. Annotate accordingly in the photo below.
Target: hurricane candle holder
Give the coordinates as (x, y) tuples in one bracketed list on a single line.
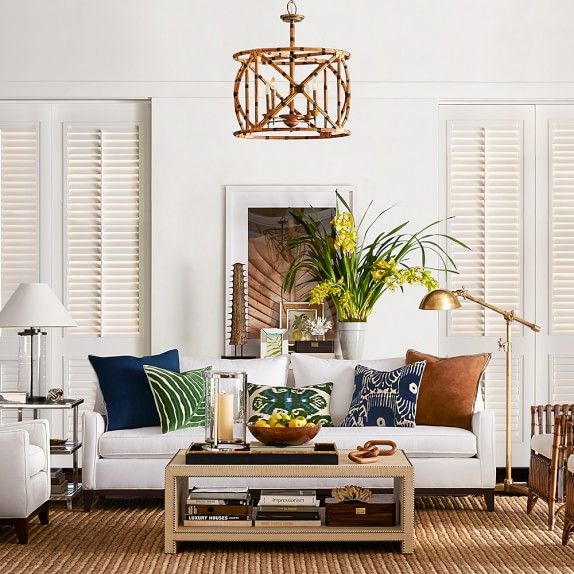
[(225, 408)]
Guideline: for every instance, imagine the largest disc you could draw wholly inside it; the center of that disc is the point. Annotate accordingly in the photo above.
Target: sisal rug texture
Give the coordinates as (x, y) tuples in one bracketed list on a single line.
[(453, 535)]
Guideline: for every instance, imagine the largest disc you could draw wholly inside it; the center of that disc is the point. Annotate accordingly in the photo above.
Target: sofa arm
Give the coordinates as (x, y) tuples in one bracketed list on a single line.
[(93, 428), (484, 428), (38, 433)]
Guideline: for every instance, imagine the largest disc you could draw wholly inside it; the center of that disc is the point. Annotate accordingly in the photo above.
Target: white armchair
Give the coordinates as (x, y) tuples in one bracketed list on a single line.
[(24, 474)]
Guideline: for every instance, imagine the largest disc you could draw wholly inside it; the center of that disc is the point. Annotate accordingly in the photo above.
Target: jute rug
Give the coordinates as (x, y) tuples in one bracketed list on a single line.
[(453, 535)]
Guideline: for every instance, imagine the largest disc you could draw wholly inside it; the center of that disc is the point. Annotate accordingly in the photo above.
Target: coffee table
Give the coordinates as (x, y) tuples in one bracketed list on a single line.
[(397, 466)]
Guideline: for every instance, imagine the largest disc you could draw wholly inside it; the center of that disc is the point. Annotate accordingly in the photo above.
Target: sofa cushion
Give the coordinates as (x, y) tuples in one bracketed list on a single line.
[(449, 388), (542, 444), (147, 442), (314, 400), (314, 370), (385, 398), (417, 442), (268, 371), (179, 397), (126, 392), (36, 459)]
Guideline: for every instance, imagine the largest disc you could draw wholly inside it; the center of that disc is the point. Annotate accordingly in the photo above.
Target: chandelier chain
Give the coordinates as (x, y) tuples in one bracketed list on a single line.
[(291, 7)]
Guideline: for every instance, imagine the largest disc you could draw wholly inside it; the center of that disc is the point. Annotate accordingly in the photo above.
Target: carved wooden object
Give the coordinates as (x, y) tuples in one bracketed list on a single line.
[(238, 332)]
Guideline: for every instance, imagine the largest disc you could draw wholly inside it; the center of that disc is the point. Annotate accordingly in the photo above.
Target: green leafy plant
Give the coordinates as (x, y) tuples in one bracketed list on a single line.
[(354, 273)]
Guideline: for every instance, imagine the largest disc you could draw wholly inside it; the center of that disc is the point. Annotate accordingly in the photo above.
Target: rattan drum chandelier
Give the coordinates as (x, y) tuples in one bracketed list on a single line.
[(292, 92)]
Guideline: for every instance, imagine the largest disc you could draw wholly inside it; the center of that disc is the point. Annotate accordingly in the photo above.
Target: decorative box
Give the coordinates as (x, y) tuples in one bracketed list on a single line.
[(379, 511), (314, 346)]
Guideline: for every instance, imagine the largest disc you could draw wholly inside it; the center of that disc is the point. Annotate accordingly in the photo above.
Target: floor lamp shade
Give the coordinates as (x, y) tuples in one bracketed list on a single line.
[(33, 306)]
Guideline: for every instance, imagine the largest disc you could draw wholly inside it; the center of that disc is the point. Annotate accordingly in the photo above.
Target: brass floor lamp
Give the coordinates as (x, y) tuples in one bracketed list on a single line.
[(442, 300)]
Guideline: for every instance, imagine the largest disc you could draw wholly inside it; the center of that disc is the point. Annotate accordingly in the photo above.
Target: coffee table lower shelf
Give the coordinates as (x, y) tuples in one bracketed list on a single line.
[(398, 467), (290, 534)]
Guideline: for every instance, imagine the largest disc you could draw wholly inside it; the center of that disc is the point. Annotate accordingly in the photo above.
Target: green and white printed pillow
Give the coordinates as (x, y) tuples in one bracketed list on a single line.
[(179, 397), (314, 400)]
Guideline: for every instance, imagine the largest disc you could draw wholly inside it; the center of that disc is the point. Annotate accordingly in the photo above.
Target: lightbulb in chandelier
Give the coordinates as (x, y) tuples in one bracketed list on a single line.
[(292, 92)]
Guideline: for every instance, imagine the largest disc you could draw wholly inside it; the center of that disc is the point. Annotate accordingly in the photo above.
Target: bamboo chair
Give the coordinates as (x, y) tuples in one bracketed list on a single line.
[(547, 461), (569, 507)]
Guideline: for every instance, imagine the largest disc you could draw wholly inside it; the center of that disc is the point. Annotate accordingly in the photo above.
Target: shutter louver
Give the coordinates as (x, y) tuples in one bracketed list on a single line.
[(562, 377), (495, 396), (19, 205), (81, 382), (561, 222), (484, 196), (103, 258)]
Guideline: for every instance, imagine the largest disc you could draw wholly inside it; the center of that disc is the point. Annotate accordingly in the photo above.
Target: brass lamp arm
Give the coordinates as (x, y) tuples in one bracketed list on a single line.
[(510, 316)]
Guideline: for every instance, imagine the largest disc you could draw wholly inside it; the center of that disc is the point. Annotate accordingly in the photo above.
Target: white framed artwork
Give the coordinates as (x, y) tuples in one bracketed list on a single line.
[(257, 220)]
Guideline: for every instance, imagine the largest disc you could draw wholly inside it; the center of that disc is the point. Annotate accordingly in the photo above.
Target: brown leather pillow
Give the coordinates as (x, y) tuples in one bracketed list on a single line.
[(448, 388)]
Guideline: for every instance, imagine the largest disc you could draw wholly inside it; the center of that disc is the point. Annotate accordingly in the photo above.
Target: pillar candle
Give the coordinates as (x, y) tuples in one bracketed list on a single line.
[(225, 417)]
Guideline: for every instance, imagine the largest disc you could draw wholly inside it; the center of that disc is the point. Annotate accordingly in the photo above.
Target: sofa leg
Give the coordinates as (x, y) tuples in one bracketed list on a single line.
[(44, 513), (21, 526), (89, 498), (489, 500)]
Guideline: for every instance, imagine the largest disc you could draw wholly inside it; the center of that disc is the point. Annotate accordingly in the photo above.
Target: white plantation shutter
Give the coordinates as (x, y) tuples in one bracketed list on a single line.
[(561, 222), (495, 395), (19, 206), (102, 166), (80, 381), (562, 377), (488, 176), (484, 194)]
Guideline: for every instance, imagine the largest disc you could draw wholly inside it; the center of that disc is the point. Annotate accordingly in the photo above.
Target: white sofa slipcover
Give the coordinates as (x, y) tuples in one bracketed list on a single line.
[(445, 459), (24, 474)]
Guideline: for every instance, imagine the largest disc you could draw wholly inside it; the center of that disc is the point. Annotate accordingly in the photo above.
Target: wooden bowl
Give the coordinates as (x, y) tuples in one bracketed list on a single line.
[(273, 436)]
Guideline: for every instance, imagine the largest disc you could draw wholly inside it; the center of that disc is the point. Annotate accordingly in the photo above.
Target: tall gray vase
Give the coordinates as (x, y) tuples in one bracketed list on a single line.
[(352, 338)]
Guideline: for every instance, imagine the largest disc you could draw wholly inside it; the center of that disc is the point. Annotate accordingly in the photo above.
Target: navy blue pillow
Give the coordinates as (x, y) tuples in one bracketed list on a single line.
[(126, 391), (385, 398)]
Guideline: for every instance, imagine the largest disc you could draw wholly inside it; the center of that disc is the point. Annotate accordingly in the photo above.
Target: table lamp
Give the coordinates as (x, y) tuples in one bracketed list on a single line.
[(34, 306), (443, 300)]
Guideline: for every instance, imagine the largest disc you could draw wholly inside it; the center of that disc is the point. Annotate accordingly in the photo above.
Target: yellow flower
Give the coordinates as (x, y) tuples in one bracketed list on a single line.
[(393, 277), (346, 234)]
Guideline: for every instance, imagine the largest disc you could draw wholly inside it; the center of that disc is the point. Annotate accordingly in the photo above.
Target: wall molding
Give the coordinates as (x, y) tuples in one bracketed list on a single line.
[(448, 92)]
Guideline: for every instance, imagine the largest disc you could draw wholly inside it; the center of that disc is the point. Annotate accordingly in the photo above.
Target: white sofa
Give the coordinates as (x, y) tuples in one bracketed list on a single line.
[(24, 474), (446, 460)]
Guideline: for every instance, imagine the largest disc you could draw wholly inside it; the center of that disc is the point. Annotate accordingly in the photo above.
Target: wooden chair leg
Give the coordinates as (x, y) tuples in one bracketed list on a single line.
[(568, 526), (21, 526), (532, 498), (551, 515), (44, 514)]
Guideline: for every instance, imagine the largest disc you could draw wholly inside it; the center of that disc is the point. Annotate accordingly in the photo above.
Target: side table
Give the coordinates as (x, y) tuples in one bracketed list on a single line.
[(69, 447)]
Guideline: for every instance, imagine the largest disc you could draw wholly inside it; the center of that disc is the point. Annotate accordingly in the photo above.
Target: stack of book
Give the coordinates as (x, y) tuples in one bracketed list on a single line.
[(288, 508), (218, 506), (59, 484)]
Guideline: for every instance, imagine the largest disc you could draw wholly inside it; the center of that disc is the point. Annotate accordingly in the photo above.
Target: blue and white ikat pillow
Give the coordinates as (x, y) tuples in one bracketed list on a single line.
[(385, 398)]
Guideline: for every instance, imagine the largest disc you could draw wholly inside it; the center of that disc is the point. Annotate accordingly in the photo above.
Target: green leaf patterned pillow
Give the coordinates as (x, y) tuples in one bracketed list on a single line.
[(179, 397), (314, 400)]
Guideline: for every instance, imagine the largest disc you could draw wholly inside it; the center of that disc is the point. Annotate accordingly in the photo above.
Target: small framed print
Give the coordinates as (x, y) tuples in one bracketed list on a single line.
[(274, 342), (294, 314)]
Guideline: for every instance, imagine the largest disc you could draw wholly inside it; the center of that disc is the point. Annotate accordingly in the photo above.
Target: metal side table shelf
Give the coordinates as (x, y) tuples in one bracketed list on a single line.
[(69, 447)]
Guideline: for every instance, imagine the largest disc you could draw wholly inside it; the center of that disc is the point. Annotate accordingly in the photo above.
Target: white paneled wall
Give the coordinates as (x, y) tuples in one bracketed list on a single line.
[(403, 66)]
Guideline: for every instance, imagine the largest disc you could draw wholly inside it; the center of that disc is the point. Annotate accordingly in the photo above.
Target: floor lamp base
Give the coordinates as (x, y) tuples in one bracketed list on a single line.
[(511, 488)]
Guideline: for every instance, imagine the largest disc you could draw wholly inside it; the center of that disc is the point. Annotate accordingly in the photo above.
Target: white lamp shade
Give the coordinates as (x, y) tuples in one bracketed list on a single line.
[(35, 305)]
